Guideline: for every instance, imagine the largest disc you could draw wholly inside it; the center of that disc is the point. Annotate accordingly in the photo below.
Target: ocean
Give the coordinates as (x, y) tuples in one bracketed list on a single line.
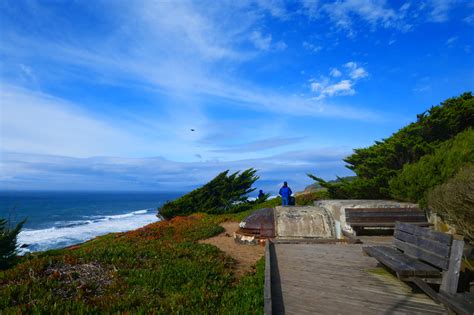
[(59, 219)]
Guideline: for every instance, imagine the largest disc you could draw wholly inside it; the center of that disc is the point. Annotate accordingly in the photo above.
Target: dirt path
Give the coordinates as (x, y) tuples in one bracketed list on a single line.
[(245, 255)]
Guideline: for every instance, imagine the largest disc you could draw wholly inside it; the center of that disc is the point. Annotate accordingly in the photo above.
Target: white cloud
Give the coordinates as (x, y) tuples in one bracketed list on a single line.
[(440, 10), (450, 41), (264, 42), (280, 45), (311, 8), (329, 87), (351, 16), (343, 87), (324, 89), (469, 19), (33, 122), (335, 73), (276, 8), (38, 123), (260, 41), (374, 12), (312, 47), (33, 171), (355, 71)]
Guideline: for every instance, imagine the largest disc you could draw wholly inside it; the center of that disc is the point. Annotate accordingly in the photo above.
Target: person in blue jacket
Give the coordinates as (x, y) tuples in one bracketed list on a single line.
[(285, 193)]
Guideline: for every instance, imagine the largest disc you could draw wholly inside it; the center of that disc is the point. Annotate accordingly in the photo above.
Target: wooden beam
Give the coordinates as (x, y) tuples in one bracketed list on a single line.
[(426, 288), (267, 293), (449, 283), (453, 302)]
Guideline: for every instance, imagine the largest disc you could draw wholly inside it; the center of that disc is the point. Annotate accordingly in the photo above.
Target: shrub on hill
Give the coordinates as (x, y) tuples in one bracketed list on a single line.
[(376, 165), (416, 179), (223, 194), (8, 245), (454, 201)]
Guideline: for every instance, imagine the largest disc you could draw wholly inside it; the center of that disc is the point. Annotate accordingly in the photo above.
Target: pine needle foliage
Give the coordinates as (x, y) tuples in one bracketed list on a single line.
[(8, 244), (223, 194), (376, 165)]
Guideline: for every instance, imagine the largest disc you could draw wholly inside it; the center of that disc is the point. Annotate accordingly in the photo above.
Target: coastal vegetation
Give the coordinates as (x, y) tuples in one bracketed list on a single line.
[(424, 162), (158, 269), (377, 165), (223, 194), (8, 244), (417, 179), (454, 201)]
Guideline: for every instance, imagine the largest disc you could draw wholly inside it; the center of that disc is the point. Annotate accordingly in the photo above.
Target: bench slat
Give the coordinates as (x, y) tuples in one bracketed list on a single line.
[(428, 245), (384, 224), (400, 263), (385, 219), (384, 214), (383, 210), (425, 233), (419, 253)]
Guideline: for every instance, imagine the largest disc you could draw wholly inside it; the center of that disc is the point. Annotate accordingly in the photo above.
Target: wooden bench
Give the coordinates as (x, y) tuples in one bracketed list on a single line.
[(359, 218), (421, 255)]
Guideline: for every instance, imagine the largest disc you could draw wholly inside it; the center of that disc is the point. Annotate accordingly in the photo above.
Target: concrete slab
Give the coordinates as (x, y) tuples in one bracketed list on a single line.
[(304, 222)]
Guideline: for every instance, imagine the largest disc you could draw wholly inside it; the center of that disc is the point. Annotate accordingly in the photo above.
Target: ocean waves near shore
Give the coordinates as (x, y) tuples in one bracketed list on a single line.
[(65, 233), (56, 219)]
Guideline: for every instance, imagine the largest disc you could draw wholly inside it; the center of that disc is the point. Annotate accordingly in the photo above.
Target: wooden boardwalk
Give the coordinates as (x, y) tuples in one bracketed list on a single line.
[(338, 279)]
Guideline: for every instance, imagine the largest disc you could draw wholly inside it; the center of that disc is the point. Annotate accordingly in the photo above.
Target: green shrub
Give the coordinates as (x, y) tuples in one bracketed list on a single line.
[(416, 179), (309, 198), (376, 165), (454, 201), (223, 194), (8, 245)]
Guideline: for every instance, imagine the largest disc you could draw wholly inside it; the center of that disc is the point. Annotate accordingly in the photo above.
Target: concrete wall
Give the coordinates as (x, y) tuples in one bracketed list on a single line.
[(301, 222)]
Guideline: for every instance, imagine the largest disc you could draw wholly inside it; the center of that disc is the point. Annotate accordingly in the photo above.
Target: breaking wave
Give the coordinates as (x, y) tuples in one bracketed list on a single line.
[(66, 233)]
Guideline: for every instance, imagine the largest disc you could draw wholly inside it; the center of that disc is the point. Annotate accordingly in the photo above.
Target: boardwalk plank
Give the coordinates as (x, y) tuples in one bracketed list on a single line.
[(339, 279)]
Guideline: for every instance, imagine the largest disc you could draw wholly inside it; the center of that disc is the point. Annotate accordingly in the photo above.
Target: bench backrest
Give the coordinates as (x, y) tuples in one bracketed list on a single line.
[(423, 244), (384, 215)]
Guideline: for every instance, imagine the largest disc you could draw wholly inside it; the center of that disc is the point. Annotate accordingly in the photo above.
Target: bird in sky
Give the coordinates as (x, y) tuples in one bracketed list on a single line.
[(192, 129)]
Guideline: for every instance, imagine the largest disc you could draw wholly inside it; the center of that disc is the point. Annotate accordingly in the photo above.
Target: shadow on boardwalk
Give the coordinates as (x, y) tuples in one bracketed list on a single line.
[(338, 279)]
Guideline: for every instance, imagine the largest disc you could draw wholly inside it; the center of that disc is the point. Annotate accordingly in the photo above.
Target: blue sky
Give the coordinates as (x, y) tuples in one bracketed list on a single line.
[(102, 95)]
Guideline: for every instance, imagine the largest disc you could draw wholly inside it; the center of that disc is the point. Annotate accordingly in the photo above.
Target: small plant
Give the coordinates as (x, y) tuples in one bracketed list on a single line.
[(8, 245)]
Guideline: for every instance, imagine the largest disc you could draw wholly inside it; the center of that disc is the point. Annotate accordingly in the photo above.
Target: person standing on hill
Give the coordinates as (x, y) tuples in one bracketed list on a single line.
[(261, 195), (285, 193)]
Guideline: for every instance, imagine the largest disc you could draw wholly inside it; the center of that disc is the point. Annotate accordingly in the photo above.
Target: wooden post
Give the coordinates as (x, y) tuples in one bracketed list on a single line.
[(449, 283), (267, 294)]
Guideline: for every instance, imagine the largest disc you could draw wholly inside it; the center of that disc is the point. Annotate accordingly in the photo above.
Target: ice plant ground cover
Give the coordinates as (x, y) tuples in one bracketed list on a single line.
[(160, 268)]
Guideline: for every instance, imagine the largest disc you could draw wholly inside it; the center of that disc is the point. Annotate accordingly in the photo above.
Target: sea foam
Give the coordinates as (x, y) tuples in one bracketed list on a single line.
[(66, 233)]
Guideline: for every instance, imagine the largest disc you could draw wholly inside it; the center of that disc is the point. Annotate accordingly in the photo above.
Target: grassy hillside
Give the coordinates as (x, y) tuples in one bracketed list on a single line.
[(158, 269)]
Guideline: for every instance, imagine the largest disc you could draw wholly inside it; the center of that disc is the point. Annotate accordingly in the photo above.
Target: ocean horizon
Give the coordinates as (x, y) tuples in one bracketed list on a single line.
[(57, 219)]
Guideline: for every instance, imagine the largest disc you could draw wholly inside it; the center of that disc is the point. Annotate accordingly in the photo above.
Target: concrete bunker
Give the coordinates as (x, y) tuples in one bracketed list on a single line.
[(293, 222), (326, 219)]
